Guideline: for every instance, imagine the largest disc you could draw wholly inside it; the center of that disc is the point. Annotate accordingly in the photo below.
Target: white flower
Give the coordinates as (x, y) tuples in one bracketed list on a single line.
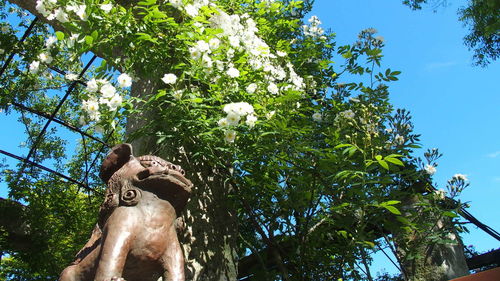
[(400, 140), (314, 20), (223, 122), (5, 29), (234, 41), (71, 76), (251, 88), (80, 12), (441, 194), (230, 135), (207, 61), (460, 177), (233, 119), (191, 10), (280, 54), (106, 7), (176, 3), (94, 115), (124, 80), (61, 15), (108, 90), (348, 114), (169, 78), (200, 27), (45, 58), (82, 121), (272, 88), (50, 41), (270, 114), (104, 101), (202, 46), (195, 53), (239, 108), (90, 106), (177, 94), (214, 43), (41, 8), (34, 67), (430, 170), (251, 119), (317, 117), (72, 39), (233, 72), (115, 102), (92, 86)]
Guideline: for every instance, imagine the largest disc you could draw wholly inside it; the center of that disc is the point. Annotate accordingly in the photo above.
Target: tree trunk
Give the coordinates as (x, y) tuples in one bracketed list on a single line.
[(430, 261), (210, 233)]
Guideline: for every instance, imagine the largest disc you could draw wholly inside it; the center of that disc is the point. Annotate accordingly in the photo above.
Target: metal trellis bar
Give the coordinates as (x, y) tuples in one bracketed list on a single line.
[(53, 114), (25, 160), (58, 121), (13, 53)]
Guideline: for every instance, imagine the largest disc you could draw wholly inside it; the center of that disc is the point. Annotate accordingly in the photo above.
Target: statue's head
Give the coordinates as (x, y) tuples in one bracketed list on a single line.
[(127, 175)]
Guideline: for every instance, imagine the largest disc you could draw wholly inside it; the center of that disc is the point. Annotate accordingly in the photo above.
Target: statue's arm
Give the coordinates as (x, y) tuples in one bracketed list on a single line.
[(117, 238), (90, 245)]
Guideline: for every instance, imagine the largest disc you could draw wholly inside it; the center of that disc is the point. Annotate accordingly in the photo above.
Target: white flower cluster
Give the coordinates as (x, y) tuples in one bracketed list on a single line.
[(313, 30), (460, 177), (239, 34), (51, 10), (108, 96), (5, 29), (43, 57), (430, 169), (235, 111), (191, 10), (317, 117), (399, 139), (345, 115)]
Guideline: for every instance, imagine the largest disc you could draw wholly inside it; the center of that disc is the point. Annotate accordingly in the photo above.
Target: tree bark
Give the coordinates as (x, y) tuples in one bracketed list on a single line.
[(431, 261)]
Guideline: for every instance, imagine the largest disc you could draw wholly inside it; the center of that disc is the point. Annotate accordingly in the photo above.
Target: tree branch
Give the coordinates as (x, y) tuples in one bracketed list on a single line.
[(13, 227)]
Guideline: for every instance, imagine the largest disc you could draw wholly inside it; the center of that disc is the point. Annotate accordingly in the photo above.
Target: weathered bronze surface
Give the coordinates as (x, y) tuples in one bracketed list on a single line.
[(135, 237)]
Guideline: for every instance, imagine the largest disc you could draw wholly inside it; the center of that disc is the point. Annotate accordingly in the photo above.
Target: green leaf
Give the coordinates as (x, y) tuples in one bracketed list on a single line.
[(342, 233), (89, 40), (383, 164), (450, 214), (197, 100), (59, 35), (394, 161), (392, 209), (378, 157), (403, 220), (390, 202), (342, 145), (147, 2)]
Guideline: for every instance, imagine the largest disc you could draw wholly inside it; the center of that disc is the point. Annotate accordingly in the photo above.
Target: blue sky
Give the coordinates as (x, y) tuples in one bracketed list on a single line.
[(455, 105)]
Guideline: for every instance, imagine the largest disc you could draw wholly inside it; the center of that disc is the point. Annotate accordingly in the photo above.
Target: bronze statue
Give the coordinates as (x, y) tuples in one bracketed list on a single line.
[(135, 238)]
